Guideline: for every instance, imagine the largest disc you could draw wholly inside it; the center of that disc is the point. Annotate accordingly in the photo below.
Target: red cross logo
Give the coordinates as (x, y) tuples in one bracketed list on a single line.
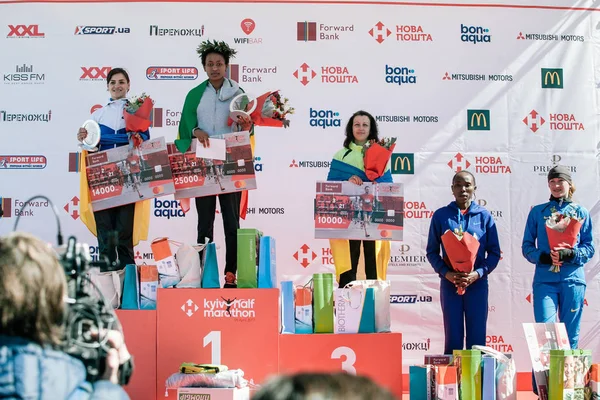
[(447, 77), (520, 37), (304, 74), (305, 256), (380, 32), (293, 164), (459, 163), (189, 308), (534, 121), (95, 72), (72, 207)]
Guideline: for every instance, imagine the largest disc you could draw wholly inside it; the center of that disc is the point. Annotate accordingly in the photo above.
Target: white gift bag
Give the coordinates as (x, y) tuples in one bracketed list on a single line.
[(383, 321), (110, 285), (188, 261)]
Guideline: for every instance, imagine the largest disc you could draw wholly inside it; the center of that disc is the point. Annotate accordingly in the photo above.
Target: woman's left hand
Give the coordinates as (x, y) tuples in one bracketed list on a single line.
[(244, 122), (471, 278)]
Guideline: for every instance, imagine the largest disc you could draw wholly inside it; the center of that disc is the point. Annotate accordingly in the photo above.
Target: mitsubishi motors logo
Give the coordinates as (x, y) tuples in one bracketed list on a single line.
[(520, 37), (72, 207), (380, 32), (305, 256), (294, 164), (534, 121), (447, 77), (304, 74), (189, 308), (459, 163)]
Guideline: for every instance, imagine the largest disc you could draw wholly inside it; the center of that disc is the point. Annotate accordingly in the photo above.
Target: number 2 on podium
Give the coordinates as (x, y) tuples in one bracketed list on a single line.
[(214, 338), (348, 363)]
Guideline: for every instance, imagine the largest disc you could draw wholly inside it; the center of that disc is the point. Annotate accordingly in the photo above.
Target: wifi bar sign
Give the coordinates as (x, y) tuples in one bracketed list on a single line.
[(247, 26)]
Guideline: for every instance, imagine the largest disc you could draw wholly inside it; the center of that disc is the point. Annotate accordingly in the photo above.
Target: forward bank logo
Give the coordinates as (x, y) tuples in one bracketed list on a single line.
[(403, 164), (552, 78), (478, 120), (6, 207)]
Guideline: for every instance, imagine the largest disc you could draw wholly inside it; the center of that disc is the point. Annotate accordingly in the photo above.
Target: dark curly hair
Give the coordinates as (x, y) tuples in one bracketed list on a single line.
[(207, 47), (373, 134)]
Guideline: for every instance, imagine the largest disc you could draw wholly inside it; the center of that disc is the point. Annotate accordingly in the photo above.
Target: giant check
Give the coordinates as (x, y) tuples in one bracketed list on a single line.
[(198, 177), (371, 211), (123, 176)]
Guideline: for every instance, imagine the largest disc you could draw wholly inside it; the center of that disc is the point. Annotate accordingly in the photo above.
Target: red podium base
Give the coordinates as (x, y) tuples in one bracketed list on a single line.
[(376, 355)]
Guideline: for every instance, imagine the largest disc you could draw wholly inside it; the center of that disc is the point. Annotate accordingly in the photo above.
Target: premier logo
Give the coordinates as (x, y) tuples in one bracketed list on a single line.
[(324, 118), (400, 75), (474, 34)]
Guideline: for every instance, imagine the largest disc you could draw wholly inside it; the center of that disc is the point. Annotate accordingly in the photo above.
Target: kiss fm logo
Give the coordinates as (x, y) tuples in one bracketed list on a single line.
[(329, 74), (24, 75), (404, 33)]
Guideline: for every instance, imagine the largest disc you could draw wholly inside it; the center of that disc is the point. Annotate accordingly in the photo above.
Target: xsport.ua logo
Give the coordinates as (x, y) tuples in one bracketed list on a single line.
[(475, 34)]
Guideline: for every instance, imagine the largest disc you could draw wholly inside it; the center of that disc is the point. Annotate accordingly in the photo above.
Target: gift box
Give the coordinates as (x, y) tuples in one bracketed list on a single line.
[(422, 382), (323, 302), (248, 257), (303, 306), (446, 386), (561, 380), (468, 363), (213, 393)]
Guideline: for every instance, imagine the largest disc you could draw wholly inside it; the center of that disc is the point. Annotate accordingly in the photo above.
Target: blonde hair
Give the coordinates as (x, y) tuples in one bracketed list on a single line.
[(32, 289), (572, 189)]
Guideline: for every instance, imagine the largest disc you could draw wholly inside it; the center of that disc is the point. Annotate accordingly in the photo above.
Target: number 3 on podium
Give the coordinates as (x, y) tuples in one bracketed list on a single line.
[(214, 338), (347, 364)]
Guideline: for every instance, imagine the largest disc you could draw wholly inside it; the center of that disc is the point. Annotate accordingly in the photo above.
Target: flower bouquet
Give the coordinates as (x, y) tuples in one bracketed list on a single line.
[(268, 109), (562, 228), (137, 113), (461, 250), (376, 156)]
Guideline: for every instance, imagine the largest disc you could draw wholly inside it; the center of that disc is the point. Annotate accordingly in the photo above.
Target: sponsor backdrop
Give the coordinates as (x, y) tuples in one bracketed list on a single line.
[(458, 86)]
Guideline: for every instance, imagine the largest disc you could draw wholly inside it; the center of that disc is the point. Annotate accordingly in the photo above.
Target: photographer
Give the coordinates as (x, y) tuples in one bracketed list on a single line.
[(33, 290)]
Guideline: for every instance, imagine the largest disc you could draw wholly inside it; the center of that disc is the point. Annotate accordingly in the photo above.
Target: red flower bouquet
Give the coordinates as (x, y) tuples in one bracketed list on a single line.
[(376, 155), (137, 114), (461, 249), (562, 228)]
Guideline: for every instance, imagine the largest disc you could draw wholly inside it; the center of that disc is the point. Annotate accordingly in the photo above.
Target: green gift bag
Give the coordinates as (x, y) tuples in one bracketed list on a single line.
[(247, 257), (468, 363), (583, 363), (323, 302), (561, 382)]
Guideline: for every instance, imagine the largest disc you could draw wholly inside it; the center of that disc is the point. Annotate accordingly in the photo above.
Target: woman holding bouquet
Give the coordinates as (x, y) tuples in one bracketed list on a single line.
[(348, 165), (205, 114), (117, 220), (463, 295), (558, 240)]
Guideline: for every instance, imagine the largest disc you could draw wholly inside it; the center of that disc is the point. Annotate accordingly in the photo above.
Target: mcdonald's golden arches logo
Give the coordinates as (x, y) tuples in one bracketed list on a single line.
[(478, 120), (552, 78), (403, 164)]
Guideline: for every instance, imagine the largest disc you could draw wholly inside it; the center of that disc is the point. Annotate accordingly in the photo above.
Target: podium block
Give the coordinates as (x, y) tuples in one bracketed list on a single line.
[(235, 327), (376, 355), (139, 328)]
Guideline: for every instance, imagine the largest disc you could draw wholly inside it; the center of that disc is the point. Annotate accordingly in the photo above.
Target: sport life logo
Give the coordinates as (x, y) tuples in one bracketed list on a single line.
[(325, 118), (400, 75), (475, 34)]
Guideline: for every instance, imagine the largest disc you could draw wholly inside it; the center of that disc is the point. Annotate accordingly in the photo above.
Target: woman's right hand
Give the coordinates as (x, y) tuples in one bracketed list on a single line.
[(202, 137), (81, 134), (356, 180), (459, 279)]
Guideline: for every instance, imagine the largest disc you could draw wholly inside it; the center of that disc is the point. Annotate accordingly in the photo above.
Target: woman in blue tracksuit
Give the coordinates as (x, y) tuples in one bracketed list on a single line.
[(116, 220), (558, 293), (470, 309)]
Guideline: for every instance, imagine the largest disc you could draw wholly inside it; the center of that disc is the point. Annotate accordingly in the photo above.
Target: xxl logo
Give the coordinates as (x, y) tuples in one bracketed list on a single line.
[(172, 73), (379, 32), (23, 162), (167, 209), (324, 118), (247, 26), (99, 30), (403, 163), (24, 31), (474, 34), (230, 307), (94, 73), (399, 75), (478, 120), (24, 75), (552, 78), (459, 163), (305, 256), (5, 207), (534, 121), (72, 207), (409, 299)]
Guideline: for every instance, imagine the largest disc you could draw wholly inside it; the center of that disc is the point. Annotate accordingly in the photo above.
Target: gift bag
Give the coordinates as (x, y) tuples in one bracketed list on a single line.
[(248, 257), (488, 377), (267, 274), (131, 295), (148, 284), (446, 386), (505, 373), (168, 270), (323, 302), (287, 307), (110, 285), (561, 380), (381, 291), (210, 268), (583, 362), (188, 261), (468, 364), (354, 308), (421, 382), (304, 315), (594, 385)]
